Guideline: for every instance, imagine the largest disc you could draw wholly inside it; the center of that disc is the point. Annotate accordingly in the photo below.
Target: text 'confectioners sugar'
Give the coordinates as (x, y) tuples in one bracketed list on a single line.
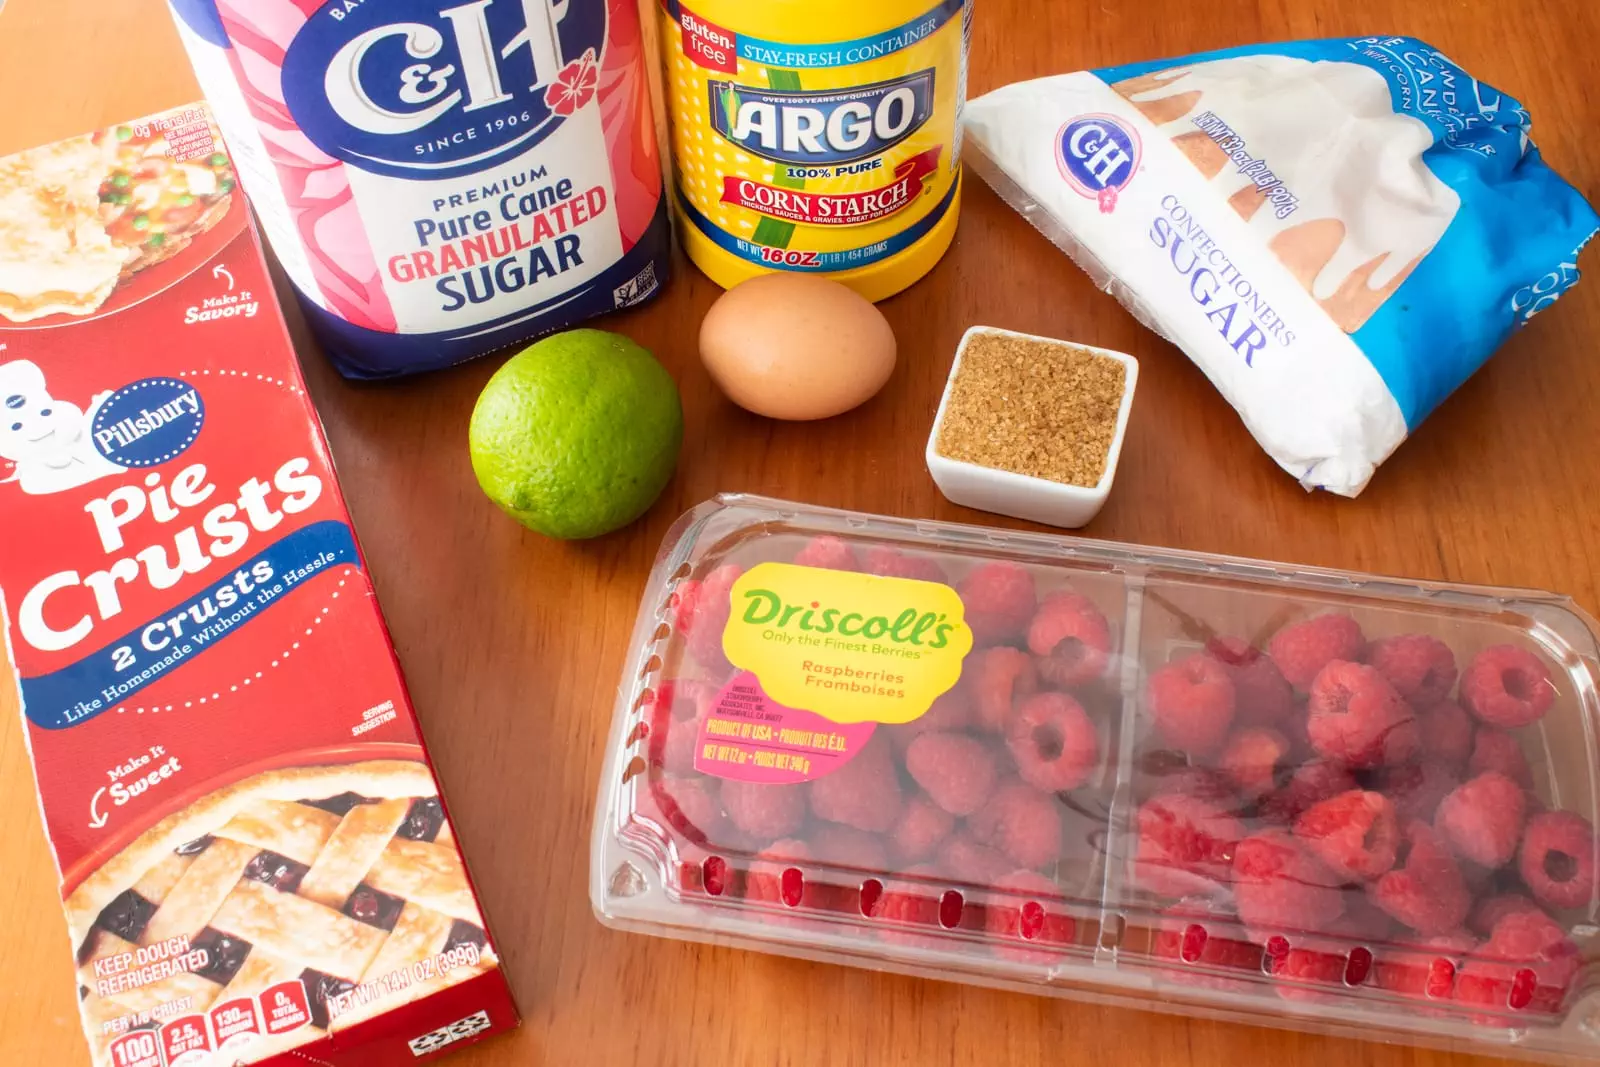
[(441, 179), (1339, 233)]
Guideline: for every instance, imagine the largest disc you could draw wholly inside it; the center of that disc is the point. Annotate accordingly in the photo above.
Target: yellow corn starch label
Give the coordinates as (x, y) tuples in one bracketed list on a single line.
[(819, 157), (851, 647)]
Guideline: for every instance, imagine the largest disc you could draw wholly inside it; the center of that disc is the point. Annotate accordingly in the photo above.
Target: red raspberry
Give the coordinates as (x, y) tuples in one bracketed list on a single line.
[(1304, 968), (828, 552), (1206, 947), (1355, 834), (838, 845), (1252, 759), (949, 711), (1185, 846), (1022, 823), (891, 563), (1488, 912), (673, 742), (765, 812), (964, 860), (690, 807), (1356, 718), (1071, 638), (956, 771), (1482, 820), (1302, 650), (1192, 704), (1416, 788), (1000, 600), (679, 711), (864, 793), (1496, 750), (1424, 969), (1531, 936), (920, 830), (1029, 915), (775, 877), (1528, 963), (909, 902), (997, 678), (1262, 696), (905, 904), (1278, 885), (1419, 666), (1507, 686), (1053, 742), (1557, 861), (1447, 733), (1314, 782), (1425, 889), (700, 610)]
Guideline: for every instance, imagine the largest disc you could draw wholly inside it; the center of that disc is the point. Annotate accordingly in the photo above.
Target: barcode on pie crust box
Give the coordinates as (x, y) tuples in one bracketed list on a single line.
[(255, 856), (434, 1040)]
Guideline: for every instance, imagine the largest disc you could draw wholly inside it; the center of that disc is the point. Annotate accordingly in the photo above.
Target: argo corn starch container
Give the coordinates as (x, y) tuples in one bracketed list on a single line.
[(817, 135), (441, 178)]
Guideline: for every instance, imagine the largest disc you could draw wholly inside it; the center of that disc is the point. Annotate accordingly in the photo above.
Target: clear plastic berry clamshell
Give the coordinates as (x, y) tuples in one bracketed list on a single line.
[(1288, 796)]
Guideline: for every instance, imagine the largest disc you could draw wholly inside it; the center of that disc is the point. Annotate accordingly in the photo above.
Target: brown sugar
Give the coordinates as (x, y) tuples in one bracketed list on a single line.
[(1040, 408)]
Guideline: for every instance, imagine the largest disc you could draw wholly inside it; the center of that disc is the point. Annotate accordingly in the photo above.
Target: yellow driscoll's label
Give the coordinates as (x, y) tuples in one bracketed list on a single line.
[(850, 647), (816, 157)]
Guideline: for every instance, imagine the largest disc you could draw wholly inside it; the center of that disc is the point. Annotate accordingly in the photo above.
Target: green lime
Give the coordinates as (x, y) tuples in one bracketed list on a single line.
[(577, 434)]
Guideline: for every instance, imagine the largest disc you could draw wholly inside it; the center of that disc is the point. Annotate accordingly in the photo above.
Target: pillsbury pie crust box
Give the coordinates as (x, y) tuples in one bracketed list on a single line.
[(255, 860)]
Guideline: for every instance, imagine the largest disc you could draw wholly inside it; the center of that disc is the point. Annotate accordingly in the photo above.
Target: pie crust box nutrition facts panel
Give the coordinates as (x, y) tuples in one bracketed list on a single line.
[(254, 854)]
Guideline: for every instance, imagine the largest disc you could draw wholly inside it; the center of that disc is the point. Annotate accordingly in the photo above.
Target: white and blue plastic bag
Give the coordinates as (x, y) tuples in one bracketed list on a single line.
[(1338, 233)]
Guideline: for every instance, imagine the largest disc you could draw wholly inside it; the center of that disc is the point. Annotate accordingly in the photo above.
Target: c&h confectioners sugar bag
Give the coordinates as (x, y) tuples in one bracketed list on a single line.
[(1339, 233)]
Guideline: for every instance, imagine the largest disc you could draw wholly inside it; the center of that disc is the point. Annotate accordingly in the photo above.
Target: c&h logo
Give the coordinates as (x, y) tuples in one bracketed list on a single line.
[(432, 89), (1098, 155)]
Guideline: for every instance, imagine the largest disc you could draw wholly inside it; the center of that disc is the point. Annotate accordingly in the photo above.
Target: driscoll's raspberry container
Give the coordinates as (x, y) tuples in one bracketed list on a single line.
[(817, 135), (1300, 798), (440, 179)]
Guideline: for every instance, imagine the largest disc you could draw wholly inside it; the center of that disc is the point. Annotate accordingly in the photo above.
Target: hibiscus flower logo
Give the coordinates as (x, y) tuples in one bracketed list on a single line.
[(574, 86)]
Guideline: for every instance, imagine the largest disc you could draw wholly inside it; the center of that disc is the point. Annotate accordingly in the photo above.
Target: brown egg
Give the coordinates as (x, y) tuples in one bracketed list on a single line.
[(792, 346)]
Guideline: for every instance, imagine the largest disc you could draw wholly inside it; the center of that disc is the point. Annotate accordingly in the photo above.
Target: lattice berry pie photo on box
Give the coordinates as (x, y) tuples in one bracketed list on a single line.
[(329, 879)]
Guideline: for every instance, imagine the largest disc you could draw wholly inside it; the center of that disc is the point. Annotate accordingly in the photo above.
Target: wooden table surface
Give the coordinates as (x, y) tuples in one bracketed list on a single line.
[(513, 644)]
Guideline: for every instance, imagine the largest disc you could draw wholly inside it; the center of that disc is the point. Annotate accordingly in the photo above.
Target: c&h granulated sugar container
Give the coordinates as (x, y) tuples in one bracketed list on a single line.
[(438, 178)]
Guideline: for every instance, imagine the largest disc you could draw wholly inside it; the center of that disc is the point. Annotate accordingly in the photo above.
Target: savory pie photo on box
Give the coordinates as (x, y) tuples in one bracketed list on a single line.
[(84, 215), (257, 864)]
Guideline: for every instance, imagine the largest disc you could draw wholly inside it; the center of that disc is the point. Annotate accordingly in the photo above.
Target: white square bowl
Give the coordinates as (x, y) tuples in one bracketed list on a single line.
[(1019, 495)]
